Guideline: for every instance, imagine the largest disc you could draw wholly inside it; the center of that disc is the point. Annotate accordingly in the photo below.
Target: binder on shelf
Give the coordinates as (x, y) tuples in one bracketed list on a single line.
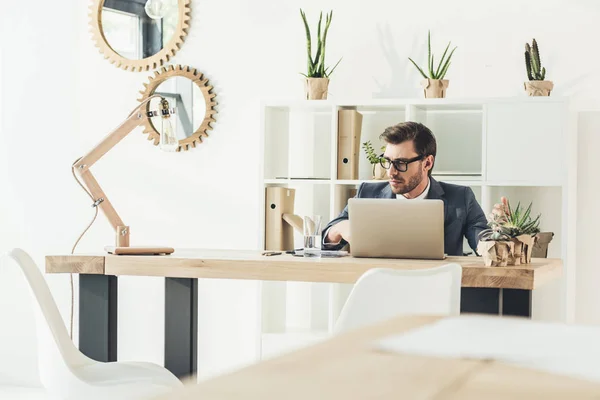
[(349, 130), (279, 234)]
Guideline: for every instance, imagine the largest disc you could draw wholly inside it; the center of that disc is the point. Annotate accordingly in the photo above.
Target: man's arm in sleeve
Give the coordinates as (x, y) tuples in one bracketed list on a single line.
[(476, 220), (342, 217)]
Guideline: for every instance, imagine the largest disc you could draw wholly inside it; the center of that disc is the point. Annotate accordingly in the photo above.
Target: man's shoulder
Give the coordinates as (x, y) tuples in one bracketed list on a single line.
[(453, 190), (452, 187), (372, 189)]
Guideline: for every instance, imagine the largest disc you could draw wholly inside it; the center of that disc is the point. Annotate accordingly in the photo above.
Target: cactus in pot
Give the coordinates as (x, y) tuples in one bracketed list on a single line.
[(537, 84)]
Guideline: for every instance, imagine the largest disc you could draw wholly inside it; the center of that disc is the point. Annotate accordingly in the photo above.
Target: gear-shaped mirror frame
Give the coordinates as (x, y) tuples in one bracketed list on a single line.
[(207, 92), (148, 63)]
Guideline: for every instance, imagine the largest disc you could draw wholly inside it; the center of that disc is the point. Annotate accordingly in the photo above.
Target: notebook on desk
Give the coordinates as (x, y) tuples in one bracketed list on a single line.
[(389, 228)]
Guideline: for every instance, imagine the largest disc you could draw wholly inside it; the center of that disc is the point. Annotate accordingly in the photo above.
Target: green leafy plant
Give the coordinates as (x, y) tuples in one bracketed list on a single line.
[(443, 65), (535, 71), (316, 66), (371, 155), (506, 223)]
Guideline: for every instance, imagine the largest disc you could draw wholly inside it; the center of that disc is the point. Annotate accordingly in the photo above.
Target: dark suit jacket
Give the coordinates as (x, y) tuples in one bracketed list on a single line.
[(463, 216)]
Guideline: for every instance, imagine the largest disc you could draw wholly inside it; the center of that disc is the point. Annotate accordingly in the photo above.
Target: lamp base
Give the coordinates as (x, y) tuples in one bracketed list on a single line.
[(139, 251)]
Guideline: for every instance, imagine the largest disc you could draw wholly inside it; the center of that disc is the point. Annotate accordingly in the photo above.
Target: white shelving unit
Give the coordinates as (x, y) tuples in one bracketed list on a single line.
[(522, 148)]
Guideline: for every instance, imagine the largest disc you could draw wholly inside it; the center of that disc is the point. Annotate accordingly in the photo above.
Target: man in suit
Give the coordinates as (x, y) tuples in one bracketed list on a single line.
[(409, 159)]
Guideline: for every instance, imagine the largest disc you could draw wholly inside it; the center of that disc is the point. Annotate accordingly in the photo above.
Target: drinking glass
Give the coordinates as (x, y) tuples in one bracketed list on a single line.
[(312, 236)]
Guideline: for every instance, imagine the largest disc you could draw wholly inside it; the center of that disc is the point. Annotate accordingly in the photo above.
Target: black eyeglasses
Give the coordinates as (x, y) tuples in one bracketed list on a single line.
[(399, 164)]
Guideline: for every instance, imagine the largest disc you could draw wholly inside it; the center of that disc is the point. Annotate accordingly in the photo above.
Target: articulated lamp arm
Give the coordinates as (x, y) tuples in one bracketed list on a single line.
[(83, 165), (295, 221)]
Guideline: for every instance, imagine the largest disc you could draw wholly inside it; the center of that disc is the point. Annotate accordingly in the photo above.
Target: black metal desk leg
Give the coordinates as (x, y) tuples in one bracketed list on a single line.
[(181, 326), (516, 302), (480, 300), (98, 317)]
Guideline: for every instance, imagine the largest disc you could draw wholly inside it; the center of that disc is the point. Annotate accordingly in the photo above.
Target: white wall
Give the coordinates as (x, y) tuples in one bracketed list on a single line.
[(60, 97)]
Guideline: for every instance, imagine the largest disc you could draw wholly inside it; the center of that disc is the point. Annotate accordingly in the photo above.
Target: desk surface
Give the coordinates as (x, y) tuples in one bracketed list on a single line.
[(347, 367), (242, 264)]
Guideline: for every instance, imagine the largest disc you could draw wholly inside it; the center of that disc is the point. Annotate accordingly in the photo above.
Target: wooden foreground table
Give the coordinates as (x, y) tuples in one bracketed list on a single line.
[(485, 290), (347, 367)]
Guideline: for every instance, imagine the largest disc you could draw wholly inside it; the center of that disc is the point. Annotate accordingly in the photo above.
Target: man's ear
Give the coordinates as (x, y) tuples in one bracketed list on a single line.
[(429, 161)]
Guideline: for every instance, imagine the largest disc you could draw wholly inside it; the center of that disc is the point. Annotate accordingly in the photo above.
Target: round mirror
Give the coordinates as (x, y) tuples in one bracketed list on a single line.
[(187, 99), (191, 97), (140, 35)]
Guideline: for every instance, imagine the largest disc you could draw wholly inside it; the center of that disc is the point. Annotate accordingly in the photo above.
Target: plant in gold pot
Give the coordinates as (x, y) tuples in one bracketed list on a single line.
[(537, 84), (379, 173), (317, 75), (434, 85), (511, 235)]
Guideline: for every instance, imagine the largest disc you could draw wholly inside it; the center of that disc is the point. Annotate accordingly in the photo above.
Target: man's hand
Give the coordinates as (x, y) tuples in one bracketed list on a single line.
[(339, 231)]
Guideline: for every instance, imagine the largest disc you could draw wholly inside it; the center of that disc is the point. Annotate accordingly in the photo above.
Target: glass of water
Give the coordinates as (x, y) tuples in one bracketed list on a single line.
[(312, 236)]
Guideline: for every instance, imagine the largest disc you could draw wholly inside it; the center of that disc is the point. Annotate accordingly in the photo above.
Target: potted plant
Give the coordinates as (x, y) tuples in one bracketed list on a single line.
[(317, 75), (511, 235), (379, 173), (434, 84), (537, 85)]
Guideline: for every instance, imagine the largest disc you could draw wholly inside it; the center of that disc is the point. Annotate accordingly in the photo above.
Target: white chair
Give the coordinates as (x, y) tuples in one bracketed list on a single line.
[(19, 374), (68, 374), (383, 293)]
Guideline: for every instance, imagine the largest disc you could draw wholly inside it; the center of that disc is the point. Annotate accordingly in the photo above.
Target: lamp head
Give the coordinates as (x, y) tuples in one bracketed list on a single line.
[(164, 108), (156, 9), (168, 139)]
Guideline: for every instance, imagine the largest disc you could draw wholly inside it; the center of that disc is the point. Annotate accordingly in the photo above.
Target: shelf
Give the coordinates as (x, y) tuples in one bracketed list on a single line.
[(355, 181), (375, 108), (510, 146), (458, 180), (475, 104), (286, 181), (473, 179), (300, 105), (276, 182), (444, 106), (457, 174), (524, 183)]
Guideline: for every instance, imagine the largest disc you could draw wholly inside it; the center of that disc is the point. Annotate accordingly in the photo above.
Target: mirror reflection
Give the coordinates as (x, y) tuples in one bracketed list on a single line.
[(138, 29), (189, 103)]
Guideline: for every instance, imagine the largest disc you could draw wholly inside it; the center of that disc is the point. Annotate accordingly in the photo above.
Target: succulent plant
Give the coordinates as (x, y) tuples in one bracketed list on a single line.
[(316, 67), (443, 65), (535, 71), (506, 223)]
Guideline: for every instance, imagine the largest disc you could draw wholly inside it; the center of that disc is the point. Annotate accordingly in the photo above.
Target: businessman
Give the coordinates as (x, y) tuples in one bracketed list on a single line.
[(409, 159)]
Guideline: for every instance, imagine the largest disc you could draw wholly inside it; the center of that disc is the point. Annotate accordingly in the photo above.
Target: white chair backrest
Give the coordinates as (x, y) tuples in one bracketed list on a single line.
[(383, 293), (57, 354), (18, 338)]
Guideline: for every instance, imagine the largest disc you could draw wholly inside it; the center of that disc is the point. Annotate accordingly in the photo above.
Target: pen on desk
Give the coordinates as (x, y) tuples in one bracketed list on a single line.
[(271, 253), (293, 251)]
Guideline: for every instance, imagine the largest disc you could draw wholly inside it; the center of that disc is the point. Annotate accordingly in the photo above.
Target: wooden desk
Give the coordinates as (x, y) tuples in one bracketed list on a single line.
[(485, 289), (241, 264), (347, 368)]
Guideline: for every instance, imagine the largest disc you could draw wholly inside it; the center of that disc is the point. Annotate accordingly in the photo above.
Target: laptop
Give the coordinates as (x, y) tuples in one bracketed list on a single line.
[(391, 228)]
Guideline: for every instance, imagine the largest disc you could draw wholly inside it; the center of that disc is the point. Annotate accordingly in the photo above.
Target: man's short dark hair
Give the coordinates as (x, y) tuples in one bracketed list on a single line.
[(421, 136)]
